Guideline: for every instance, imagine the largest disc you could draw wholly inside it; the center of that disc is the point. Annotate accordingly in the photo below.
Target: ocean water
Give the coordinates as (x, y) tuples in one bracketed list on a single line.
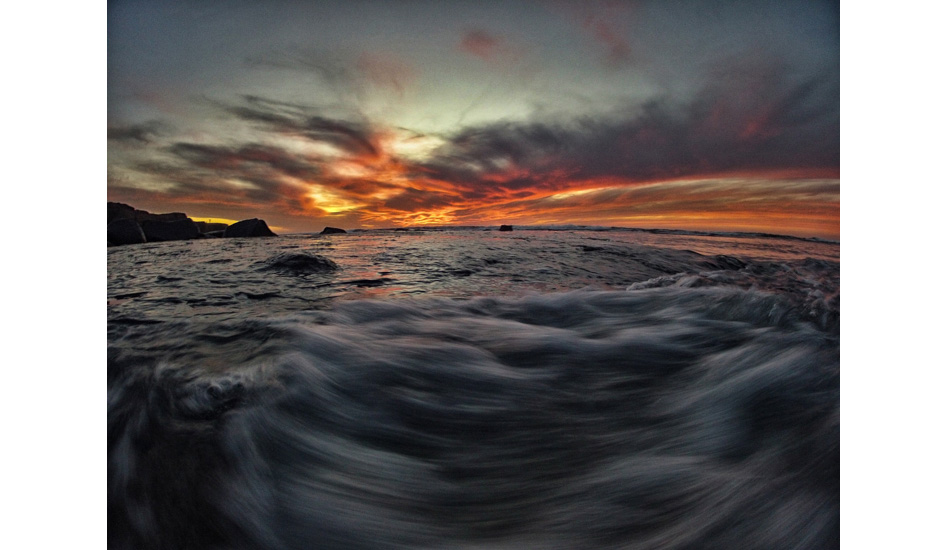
[(474, 389)]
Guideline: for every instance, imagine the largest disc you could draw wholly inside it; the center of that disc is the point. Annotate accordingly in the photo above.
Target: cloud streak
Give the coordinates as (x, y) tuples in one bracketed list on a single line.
[(351, 137), (144, 133)]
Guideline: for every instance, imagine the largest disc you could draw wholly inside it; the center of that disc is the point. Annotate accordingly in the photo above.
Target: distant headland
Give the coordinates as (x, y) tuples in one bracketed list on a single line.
[(128, 225)]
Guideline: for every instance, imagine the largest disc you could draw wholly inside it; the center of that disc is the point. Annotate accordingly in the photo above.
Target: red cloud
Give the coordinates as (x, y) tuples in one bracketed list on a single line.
[(481, 44), (607, 22), (492, 49)]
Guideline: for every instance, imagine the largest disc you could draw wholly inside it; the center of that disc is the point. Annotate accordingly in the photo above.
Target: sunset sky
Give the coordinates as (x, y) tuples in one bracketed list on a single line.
[(694, 115)]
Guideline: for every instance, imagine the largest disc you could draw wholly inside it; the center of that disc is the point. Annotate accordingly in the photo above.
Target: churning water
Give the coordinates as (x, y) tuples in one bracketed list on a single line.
[(474, 389)]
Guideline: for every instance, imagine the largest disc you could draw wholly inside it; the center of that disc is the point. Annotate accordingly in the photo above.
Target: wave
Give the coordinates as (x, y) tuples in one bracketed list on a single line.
[(678, 416), (811, 286), (598, 228)]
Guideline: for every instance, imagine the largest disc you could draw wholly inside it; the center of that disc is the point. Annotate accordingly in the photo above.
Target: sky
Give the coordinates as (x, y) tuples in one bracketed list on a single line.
[(719, 116)]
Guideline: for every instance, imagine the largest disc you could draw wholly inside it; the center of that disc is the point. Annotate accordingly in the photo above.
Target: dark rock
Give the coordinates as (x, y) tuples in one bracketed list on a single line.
[(299, 264), (207, 227), (120, 211), (143, 216), (505, 228), (125, 231), (332, 231), (253, 227), (368, 282), (178, 230), (261, 296)]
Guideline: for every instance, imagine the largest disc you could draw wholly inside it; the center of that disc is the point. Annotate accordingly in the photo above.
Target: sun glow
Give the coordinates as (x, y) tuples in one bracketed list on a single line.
[(414, 147), (330, 202), (352, 170), (569, 194), (212, 220)]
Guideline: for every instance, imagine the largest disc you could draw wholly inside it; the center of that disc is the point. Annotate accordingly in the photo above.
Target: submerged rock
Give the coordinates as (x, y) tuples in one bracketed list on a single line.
[(332, 231), (253, 227), (505, 228), (299, 264), (178, 230), (125, 231)]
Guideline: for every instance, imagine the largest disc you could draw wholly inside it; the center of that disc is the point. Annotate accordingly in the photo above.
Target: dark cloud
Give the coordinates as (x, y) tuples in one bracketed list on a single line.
[(252, 176), (749, 119), (136, 133), (356, 138), (247, 159)]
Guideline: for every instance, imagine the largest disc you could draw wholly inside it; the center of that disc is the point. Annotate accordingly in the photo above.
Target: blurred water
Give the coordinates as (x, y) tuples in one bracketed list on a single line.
[(470, 389)]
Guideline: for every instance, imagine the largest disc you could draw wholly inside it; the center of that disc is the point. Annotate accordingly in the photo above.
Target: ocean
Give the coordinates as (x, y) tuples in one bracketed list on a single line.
[(471, 388)]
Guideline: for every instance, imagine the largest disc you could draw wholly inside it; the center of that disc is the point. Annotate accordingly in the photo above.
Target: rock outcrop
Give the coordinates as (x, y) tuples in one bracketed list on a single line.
[(177, 230), (332, 231), (125, 231), (128, 225), (120, 211), (253, 227), (505, 228)]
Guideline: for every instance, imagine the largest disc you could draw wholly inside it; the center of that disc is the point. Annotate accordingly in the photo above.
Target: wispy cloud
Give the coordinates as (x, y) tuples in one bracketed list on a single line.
[(354, 137), (136, 133), (386, 70)]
